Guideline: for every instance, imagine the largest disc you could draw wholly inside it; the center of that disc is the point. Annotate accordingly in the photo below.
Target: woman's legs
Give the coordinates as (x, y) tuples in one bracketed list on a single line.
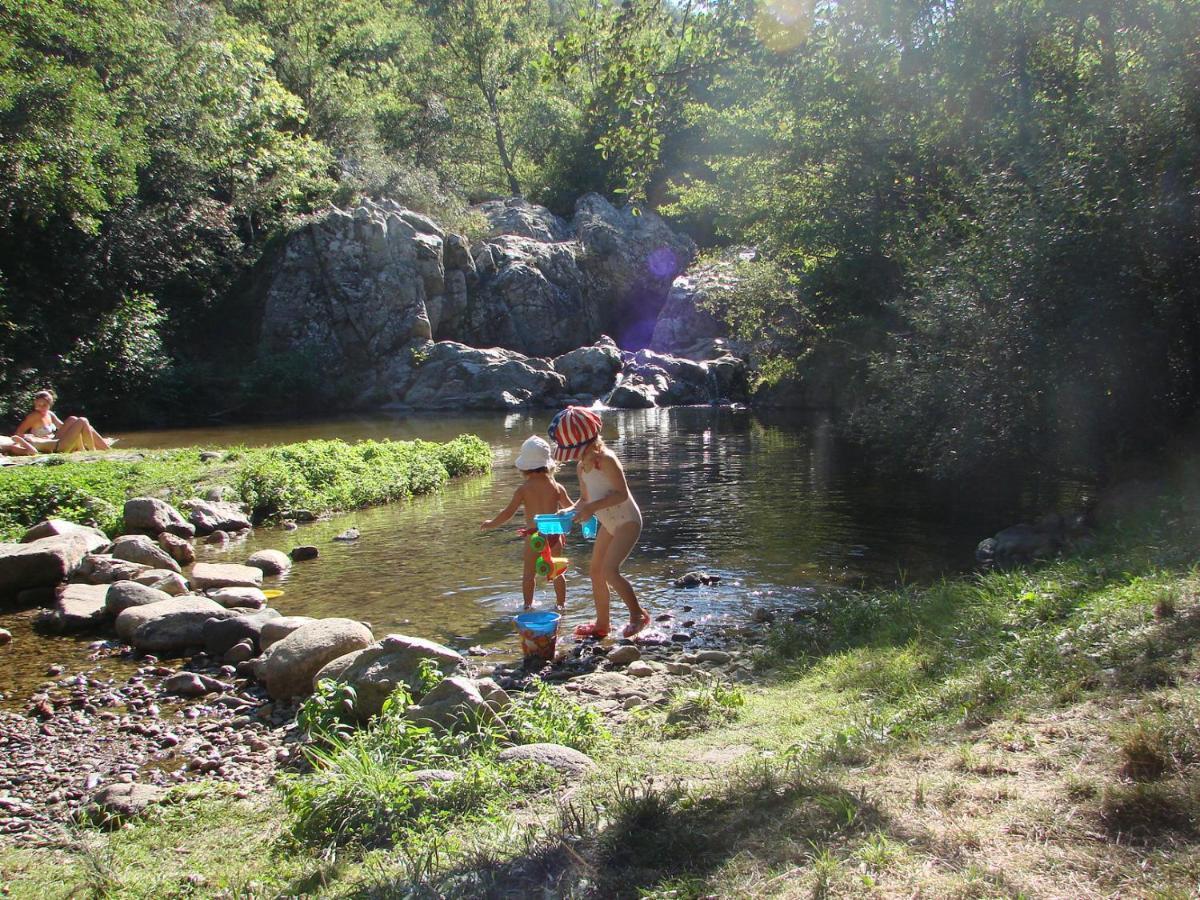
[(22, 447), (70, 436)]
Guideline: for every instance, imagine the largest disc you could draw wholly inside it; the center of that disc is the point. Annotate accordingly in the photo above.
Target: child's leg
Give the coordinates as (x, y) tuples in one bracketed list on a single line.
[(528, 576), (599, 584), (615, 553)]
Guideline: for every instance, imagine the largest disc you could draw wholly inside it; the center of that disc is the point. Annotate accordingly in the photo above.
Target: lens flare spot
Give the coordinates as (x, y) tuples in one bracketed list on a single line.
[(662, 263), (783, 25)]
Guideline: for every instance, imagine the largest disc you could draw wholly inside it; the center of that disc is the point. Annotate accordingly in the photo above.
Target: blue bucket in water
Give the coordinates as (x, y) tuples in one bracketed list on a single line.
[(554, 523), (539, 633)]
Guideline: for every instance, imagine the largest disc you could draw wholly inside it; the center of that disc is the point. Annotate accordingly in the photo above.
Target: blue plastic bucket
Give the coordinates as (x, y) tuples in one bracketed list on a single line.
[(554, 523), (539, 633), (591, 528)]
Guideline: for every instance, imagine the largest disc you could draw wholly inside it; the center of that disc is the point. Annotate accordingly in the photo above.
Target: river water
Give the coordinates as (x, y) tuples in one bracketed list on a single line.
[(775, 506)]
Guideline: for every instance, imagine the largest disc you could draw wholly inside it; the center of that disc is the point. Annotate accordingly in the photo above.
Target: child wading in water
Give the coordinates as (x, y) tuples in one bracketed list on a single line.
[(604, 493), (539, 494)]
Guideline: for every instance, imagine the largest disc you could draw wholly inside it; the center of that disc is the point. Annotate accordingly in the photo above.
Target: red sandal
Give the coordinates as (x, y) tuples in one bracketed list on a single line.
[(590, 630), (634, 627)]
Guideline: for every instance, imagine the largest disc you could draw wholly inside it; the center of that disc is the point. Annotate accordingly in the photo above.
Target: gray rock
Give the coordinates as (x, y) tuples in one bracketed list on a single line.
[(432, 776), (272, 562), (350, 534), (123, 594), (177, 628), (394, 660), (301, 554), (639, 669), (562, 759), (720, 657), (289, 665), (97, 539), (335, 669), (455, 702), (78, 607), (239, 597), (206, 576), (240, 652), (683, 324), (278, 628), (150, 515), (161, 580), (590, 370), (41, 563), (449, 375), (140, 549), (179, 549), (493, 695), (608, 684), (624, 655), (193, 684), (99, 568), (518, 216), (216, 515), (134, 617), (118, 803), (221, 635), (633, 395)]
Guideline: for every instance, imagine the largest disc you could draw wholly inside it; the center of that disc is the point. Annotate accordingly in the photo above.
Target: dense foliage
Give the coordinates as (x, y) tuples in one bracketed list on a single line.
[(313, 475), (976, 218)]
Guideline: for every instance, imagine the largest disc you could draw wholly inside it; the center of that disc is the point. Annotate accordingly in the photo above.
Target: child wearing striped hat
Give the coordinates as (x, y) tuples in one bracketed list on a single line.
[(604, 492)]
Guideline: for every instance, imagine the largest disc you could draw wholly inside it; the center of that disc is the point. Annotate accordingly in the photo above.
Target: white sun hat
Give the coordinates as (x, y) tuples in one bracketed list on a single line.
[(535, 454)]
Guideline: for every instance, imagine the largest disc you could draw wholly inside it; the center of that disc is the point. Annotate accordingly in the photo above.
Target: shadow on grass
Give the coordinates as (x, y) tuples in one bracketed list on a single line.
[(657, 835)]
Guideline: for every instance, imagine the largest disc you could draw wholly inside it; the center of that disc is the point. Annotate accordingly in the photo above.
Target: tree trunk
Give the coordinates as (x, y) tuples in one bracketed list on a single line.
[(501, 144)]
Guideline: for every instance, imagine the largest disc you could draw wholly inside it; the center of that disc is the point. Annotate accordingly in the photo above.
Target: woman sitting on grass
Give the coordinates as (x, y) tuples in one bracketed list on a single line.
[(43, 432)]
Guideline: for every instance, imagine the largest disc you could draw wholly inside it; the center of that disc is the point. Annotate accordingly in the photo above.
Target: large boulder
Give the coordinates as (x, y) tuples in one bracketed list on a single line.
[(447, 375), (97, 539), (455, 702), (395, 660), (78, 607), (178, 625), (288, 667), (590, 371), (140, 549), (206, 576), (216, 515), (115, 804), (103, 568), (41, 563), (684, 326), (149, 515), (120, 595), (221, 634)]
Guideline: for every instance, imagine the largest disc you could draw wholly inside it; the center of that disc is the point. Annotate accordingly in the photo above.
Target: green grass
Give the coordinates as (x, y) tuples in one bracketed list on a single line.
[(314, 475)]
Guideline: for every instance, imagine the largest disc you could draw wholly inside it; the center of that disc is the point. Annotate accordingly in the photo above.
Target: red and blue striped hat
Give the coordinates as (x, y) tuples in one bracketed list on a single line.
[(572, 430)]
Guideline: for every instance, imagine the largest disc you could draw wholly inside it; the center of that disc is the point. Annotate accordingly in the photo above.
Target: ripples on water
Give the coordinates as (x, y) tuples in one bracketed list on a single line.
[(774, 506)]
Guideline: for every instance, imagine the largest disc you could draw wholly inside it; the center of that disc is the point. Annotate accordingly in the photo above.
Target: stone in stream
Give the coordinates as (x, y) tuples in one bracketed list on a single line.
[(278, 628), (181, 551), (78, 607), (240, 652), (45, 562), (350, 534), (193, 684), (140, 549), (239, 597), (219, 538), (624, 654), (300, 554), (220, 575), (123, 594), (272, 562), (102, 568), (164, 580), (290, 664), (222, 634), (149, 515), (216, 515), (134, 617)]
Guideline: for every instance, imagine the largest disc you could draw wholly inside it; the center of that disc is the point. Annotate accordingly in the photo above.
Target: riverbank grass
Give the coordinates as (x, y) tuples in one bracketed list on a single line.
[(1030, 733), (315, 476)]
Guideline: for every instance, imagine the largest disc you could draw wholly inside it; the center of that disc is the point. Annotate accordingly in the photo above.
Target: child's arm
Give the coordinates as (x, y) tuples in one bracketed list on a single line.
[(507, 513), (564, 499)]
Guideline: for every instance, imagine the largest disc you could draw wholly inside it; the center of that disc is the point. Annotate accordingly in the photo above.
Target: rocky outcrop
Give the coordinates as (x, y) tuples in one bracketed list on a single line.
[(684, 326), (590, 372), (393, 305), (216, 515)]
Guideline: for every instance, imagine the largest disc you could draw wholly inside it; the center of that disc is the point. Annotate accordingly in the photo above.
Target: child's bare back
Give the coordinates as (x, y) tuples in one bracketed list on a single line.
[(541, 494)]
